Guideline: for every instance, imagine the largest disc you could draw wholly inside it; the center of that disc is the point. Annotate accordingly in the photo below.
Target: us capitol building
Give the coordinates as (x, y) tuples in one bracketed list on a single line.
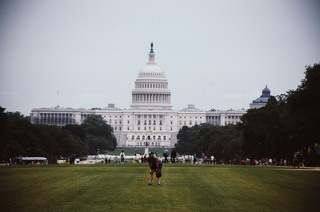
[(150, 119)]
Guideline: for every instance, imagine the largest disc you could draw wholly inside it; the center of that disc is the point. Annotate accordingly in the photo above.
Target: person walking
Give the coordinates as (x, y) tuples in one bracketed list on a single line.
[(173, 156), (155, 165), (166, 154)]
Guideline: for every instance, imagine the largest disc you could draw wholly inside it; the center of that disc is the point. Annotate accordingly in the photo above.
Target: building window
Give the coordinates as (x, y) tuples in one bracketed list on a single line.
[(128, 121), (138, 122), (164, 137), (143, 137), (132, 138)]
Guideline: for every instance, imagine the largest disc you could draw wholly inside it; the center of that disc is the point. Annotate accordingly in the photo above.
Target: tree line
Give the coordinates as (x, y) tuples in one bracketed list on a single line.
[(21, 138), (289, 124)]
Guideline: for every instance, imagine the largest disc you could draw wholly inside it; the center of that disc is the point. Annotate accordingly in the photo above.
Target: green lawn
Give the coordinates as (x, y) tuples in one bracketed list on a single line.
[(122, 187)]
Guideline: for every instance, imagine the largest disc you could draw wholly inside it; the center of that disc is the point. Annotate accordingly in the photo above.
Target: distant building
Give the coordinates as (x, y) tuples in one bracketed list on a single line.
[(262, 100), (150, 119)]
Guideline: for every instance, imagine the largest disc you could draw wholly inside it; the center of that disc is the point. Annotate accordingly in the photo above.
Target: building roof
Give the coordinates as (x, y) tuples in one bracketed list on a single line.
[(191, 108), (264, 97), (111, 107)]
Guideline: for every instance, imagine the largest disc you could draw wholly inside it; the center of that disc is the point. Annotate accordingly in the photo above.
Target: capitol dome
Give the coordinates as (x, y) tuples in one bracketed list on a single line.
[(151, 87), (151, 70)]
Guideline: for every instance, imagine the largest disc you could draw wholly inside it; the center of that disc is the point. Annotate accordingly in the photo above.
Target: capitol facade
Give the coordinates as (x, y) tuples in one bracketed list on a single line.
[(150, 119)]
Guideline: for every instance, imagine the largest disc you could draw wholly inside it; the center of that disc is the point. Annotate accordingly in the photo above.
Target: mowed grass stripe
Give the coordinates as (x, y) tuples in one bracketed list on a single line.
[(122, 187)]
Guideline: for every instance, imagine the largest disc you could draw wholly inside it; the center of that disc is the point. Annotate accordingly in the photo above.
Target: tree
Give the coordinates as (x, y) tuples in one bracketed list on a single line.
[(263, 134), (21, 138), (99, 134), (4, 134), (224, 142), (303, 113)]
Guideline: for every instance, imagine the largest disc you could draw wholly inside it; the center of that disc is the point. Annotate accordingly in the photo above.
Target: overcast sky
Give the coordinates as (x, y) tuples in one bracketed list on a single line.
[(215, 54)]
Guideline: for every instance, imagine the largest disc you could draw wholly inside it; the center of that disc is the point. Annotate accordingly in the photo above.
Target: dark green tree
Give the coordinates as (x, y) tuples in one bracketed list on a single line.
[(303, 114), (4, 134), (99, 134), (263, 131), (224, 142)]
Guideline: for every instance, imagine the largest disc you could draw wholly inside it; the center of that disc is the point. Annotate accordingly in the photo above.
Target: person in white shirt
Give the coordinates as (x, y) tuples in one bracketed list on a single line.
[(212, 159)]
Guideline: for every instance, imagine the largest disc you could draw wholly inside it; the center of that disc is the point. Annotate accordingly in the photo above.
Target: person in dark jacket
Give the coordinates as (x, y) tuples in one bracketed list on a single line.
[(173, 156), (155, 165)]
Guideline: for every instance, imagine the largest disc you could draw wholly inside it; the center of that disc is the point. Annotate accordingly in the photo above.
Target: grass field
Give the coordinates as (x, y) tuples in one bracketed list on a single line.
[(122, 187)]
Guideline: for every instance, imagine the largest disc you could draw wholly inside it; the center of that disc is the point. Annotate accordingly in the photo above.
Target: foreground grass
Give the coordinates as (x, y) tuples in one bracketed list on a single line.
[(122, 187)]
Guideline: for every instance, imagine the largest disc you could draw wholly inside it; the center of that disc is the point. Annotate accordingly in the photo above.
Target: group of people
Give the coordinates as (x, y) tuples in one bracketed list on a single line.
[(172, 156), (296, 162)]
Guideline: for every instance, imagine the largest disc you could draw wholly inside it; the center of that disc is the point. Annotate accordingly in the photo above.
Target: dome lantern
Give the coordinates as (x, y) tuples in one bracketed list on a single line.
[(265, 92), (151, 55)]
